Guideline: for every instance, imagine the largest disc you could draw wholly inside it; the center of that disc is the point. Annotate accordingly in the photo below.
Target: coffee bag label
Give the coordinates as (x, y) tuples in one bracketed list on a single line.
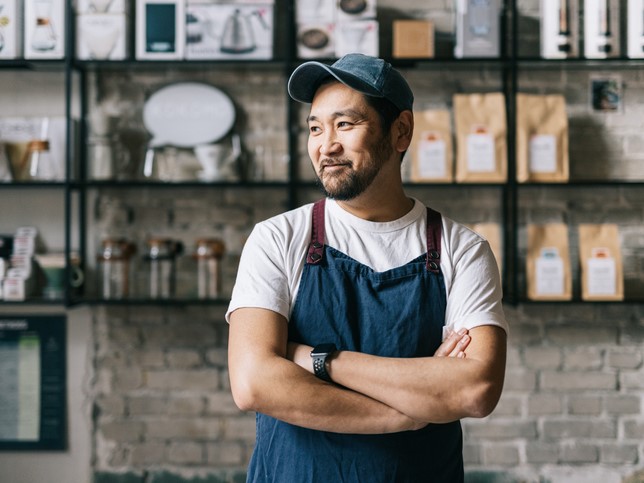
[(432, 156), (543, 153), (480, 152), (601, 276), (550, 272)]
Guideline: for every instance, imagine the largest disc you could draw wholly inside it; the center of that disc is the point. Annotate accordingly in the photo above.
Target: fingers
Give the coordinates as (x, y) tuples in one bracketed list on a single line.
[(454, 345)]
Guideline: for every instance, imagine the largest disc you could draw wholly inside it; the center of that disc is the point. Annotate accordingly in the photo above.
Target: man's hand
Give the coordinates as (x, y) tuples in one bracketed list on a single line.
[(454, 344)]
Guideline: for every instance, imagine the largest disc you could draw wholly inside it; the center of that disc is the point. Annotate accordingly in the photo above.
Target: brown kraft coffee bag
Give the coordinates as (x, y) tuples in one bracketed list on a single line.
[(548, 262), (431, 147), (481, 145), (602, 272), (542, 138)]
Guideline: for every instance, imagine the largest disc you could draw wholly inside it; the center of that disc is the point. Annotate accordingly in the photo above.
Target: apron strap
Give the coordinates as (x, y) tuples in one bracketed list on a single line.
[(434, 229), (316, 247)]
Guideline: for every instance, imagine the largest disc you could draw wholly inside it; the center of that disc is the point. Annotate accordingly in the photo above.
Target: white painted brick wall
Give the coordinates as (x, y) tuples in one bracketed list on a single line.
[(573, 404)]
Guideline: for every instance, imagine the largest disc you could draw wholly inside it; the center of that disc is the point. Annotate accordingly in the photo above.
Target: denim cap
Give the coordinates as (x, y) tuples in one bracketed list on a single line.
[(368, 75)]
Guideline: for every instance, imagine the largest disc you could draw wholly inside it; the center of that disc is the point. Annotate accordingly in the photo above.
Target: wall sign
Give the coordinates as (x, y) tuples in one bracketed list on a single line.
[(33, 382)]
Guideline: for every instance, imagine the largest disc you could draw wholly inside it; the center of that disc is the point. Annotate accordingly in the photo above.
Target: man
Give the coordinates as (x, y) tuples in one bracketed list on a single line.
[(339, 311)]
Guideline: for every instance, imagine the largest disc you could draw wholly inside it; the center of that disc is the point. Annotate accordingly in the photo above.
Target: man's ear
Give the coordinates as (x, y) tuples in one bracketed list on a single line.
[(403, 130)]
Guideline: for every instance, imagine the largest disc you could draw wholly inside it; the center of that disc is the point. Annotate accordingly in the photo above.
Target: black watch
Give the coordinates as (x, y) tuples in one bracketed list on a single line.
[(319, 354)]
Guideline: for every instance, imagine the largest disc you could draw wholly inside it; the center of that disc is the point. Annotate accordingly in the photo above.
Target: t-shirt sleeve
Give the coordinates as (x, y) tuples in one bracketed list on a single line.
[(261, 277), (475, 296)]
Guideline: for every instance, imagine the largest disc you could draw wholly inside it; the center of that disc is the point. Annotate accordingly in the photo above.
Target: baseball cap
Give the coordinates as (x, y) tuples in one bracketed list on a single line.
[(370, 75)]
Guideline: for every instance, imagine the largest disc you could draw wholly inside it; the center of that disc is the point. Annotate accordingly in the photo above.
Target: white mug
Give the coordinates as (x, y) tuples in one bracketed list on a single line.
[(211, 157)]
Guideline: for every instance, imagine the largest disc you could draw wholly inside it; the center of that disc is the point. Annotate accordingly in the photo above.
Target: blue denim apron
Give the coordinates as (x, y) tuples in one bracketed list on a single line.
[(396, 313)]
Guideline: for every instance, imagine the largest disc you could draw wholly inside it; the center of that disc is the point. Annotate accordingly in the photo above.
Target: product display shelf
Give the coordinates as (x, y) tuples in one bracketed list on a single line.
[(57, 65), (175, 301), (66, 188), (185, 184), (532, 64), (508, 66), (160, 69), (596, 191), (184, 64)]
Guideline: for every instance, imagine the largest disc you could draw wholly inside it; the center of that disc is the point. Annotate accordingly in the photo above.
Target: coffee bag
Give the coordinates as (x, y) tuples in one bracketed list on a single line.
[(431, 147), (481, 152), (602, 273), (542, 138), (548, 262)]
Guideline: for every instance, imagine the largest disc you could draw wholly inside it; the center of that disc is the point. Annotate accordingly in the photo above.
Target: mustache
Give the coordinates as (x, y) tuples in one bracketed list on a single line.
[(334, 162)]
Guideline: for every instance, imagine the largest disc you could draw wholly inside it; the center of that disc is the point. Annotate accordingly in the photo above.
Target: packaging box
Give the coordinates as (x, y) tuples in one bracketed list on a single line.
[(316, 40), (17, 285), (23, 245), (413, 39), (559, 29), (102, 6), (229, 31), (360, 36), (11, 29), (315, 11), (44, 29), (101, 36), (28, 231), (160, 29), (635, 29), (14, 289), (352, 10), (601, 29), (478, 28), (16, 132)]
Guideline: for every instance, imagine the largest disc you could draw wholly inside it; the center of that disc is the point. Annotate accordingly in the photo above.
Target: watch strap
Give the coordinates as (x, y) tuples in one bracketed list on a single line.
[(320, 355), (319, 367)]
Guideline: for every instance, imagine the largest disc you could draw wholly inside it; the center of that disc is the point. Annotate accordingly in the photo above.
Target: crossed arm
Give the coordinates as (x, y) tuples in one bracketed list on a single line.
[(372, 394)]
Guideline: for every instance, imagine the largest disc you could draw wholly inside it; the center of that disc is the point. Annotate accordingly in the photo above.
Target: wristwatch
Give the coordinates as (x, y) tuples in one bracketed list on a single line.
[(319, 354)]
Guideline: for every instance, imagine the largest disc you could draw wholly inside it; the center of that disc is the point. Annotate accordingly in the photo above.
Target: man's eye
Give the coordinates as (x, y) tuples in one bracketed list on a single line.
[(344, 124), (314, 128)]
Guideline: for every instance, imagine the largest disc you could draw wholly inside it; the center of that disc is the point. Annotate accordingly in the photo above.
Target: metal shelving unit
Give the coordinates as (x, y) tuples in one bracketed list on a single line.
[(76, 188)]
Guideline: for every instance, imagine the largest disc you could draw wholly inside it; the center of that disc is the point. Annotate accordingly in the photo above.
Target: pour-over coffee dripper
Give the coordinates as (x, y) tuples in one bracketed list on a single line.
[(100, 6), (44, 36)]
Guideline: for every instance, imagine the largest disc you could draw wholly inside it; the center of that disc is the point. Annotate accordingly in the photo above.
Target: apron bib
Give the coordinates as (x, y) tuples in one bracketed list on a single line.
[(396, 313)]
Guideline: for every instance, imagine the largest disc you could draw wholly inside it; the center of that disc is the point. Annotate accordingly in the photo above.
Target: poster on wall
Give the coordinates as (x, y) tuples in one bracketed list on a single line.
[(33, 382)]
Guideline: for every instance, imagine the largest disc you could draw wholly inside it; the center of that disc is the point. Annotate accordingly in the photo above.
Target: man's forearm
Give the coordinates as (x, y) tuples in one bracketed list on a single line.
[(290, 394), (431, 389), (263, 380)]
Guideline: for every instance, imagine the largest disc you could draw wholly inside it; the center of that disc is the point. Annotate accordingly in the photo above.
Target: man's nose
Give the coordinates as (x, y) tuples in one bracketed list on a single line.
[(330, 144)]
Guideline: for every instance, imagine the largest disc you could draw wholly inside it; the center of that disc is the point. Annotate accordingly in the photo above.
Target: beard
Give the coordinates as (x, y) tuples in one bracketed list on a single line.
[(349, 184)]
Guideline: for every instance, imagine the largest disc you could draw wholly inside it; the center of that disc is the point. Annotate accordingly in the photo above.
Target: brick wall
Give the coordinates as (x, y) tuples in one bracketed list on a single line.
[(571, 409), (573, 405)]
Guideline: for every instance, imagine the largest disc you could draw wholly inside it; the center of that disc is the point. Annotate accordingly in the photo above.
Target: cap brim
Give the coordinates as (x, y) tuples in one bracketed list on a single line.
[(305, 80)]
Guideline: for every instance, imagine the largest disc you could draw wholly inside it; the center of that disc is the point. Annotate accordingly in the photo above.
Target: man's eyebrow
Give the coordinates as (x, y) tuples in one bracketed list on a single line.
[(353, 113)]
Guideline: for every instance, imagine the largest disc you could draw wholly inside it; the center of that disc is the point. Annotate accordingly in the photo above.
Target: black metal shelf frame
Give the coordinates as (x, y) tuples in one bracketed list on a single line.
[(78, 185)]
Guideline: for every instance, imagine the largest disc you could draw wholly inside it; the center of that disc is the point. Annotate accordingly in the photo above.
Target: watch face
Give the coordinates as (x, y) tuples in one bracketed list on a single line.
[(322, 349)]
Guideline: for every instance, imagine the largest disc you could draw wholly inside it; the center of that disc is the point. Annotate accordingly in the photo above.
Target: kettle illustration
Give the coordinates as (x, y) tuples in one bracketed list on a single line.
[(238, 36)]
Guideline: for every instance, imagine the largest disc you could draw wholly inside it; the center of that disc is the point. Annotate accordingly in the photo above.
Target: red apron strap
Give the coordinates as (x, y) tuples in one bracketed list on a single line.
[(434, 230), (316, 247)]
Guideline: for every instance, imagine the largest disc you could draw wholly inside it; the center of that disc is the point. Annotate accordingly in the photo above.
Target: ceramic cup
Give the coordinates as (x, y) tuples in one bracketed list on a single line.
[(211, 157)]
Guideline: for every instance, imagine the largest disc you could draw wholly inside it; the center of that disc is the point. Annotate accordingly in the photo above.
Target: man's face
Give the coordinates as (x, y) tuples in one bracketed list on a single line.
[(346, 143)]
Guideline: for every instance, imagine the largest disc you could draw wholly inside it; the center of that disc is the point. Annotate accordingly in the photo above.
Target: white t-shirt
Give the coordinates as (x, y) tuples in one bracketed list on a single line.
[(273, 259)]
